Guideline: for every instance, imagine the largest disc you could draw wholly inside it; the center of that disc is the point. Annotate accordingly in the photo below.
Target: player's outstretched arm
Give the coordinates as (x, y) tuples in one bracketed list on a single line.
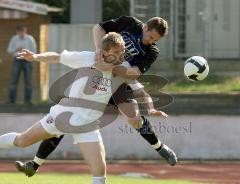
[(98, 34), (148, 102), (47, 57)]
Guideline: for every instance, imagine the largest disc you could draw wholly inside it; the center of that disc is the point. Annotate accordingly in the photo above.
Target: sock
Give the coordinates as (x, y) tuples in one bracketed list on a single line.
[(47, 147), (7, 140), (149, 135), (37, 162), (158, 146), (98, 180)]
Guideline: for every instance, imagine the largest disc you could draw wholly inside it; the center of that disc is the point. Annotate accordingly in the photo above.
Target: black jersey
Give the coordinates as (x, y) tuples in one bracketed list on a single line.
[(137, 54)]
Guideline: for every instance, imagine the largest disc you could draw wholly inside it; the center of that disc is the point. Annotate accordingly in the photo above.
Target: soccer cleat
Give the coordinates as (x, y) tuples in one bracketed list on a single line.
[(26, 167), (168, 155)]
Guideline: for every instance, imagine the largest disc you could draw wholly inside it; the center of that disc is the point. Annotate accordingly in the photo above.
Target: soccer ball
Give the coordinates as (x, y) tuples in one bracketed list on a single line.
[(196, 68)]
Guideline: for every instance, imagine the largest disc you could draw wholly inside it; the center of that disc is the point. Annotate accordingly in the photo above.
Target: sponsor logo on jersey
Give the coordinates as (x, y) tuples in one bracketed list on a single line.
[(102, 81), (132, 45), (99, 88)]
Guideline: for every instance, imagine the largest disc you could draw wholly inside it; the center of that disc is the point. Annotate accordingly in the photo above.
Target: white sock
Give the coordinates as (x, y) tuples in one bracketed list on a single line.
[(38, 161), (7, 140), (98, 180)]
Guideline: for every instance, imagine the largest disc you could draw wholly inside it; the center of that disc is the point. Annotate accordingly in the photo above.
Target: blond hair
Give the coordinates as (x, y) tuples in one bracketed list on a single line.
[(111, 40)]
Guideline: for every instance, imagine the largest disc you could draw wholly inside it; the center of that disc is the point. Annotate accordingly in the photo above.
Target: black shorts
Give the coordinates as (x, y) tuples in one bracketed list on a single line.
[(124, 94)]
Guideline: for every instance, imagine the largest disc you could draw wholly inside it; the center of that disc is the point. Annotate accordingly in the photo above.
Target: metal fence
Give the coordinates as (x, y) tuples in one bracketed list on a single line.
[(210, 28), (145, 9)]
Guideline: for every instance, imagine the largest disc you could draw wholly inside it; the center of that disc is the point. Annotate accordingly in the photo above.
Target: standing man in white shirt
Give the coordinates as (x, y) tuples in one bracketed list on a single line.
[(20, 41)]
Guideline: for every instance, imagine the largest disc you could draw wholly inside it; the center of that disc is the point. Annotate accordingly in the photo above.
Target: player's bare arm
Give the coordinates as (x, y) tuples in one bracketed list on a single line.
[(47, 57), (98, 33), (148, 103)]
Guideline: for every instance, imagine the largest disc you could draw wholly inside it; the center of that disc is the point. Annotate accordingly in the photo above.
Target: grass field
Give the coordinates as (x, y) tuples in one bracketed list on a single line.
[(212, 84), (19, 178)]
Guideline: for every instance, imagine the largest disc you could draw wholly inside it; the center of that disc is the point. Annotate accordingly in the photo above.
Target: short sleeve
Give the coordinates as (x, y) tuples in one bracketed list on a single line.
[(77, 59), (117, 25)]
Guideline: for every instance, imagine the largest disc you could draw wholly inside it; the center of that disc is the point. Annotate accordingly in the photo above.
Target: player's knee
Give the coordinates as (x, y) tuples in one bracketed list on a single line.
[(136, 122), (129, 110), (22, 141)]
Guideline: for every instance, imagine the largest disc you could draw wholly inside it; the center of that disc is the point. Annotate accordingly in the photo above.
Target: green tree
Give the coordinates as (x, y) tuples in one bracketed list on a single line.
[(61, 17), (111, 9), (115, 8)]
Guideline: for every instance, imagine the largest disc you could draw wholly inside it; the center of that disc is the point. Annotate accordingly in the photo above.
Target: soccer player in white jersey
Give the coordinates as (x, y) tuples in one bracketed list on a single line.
[(58, 123), (140, 53), (54, 124)]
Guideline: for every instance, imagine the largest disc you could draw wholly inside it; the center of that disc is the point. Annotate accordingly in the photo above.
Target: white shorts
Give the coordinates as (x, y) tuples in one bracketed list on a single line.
[(48, 124)]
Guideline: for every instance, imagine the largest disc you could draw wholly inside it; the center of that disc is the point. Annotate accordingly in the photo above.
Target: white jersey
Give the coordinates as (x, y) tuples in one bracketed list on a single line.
[(100, 86)]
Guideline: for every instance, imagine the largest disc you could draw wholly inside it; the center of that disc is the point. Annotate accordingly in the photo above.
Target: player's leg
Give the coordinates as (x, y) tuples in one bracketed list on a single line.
[(93, 151), (44, 150), (143, 126), (46, 147), (123, 97), (94, 154), (147, 132), (31, 136)]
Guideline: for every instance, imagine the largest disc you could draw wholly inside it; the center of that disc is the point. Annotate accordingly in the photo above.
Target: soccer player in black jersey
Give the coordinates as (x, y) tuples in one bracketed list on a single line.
[(141, 52)]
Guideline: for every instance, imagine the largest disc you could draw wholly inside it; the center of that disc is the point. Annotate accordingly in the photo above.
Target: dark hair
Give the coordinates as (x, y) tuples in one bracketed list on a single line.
[(20, 28), (159, 24)]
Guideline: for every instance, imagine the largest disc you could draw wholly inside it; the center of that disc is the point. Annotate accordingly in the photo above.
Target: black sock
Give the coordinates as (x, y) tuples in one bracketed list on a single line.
[(47, 147), (146, 131), (158, 149), (35, 165)]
